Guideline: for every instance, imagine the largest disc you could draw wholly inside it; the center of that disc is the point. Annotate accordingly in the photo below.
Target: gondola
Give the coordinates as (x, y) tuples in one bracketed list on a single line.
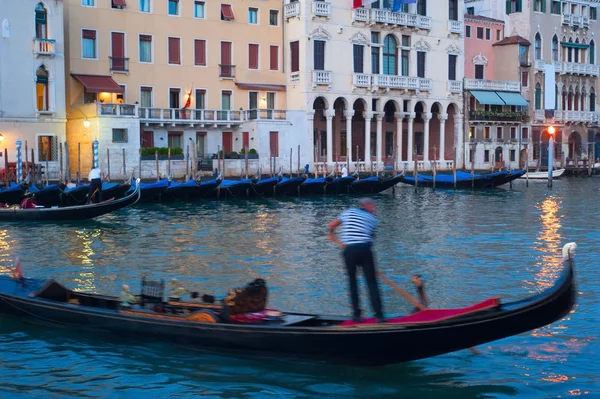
[(115, 190), (181, 191), (47, 196), (233, 188), (80, 212), (365, 185), (264, 187), (463, 180), (288, 185), (312, 186), (152, 191), (387, 183), (420, 335), (11, 195), (339, 185)]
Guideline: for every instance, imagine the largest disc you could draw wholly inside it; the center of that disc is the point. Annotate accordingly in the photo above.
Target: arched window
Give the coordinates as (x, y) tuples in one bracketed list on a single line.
[(538, 96), (570, 99), (390, 55), (570, 52), (555, 97), (576, 51), (41, 22), (41, 89), (555, 48), (592, 52), (576, 100), (538, 47), (592, 100), (564, 99)]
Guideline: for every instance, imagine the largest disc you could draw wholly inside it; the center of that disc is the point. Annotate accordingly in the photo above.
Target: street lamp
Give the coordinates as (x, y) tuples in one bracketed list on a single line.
[(551, 131), (1, 138), (86, 123)]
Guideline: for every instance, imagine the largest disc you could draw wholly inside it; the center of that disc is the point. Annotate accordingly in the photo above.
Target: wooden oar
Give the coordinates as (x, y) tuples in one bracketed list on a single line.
[(410, 298)]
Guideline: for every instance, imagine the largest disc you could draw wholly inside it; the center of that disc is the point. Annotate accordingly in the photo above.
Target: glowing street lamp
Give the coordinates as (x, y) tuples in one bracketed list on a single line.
[(551, 130)]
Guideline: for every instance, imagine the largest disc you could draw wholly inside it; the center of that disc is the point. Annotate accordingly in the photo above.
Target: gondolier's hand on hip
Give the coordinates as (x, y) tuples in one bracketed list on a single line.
[(331, 235)]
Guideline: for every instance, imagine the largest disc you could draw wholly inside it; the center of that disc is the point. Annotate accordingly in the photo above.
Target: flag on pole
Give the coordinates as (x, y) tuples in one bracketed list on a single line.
[(188, 103), (398, 4), (362, 3)]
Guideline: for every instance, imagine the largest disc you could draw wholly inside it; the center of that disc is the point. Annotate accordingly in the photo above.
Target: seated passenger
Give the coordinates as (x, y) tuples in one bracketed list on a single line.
[(127, 298), (250, 299)]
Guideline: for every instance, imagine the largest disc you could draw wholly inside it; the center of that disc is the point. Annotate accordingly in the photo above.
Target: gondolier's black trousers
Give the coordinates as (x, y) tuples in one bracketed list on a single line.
[(93, 195), (361, 255)]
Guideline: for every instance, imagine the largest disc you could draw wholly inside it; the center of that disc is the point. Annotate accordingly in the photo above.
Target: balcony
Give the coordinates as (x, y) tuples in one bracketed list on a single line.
[(119, 64), (401, 82), (291, 10), (455, 27), (321, 9), (455, 86), (569, 116), (576, 20), (43, 47), (175, 116), (105, 109), (573, 68), (361, 80), (226, 71), (322, 78), (265, 114), (387, 17), (500, 85), (498, 116)]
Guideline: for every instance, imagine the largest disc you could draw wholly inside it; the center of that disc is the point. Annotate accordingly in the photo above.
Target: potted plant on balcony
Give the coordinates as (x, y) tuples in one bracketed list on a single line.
[(252, 154), (234, 155)]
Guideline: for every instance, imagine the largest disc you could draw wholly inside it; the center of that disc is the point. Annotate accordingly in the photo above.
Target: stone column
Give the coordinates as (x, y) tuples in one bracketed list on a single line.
[(330, 114), (442, 118), (411, 143), (399, 116), (368, 116), (379, 140), (310, 115), (459, 139), (426, 118), (349, 115)]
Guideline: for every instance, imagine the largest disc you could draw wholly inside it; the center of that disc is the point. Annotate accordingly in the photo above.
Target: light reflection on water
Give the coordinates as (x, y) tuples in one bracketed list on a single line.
[(468, 246)]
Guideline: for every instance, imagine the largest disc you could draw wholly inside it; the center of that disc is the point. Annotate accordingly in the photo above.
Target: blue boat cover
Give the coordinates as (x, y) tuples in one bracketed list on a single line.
[(267, 181), (366, 179), (229, 183), (214, 181), (164, 183), (12, 188), (320, 180), (287, 179), (189, 183), (107, 186), (83, 186), (460, 177)]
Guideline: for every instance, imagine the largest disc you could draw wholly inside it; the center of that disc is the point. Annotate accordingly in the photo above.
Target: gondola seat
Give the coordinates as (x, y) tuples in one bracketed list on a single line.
[(153, 292)]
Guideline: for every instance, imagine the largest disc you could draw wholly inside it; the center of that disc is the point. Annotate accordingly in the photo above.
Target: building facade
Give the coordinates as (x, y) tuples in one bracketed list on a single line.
[(379, 86), (175, 74), (562, 34), (497, 119), (32, 70)]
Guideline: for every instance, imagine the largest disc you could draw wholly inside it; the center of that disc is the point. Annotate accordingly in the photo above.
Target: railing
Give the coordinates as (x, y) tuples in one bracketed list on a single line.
[(321, 9), (575, 20), (119, 64), (568, 116), (455, 27), (322, 78), (104, 109), (43, 46), (455, 86), (401, 82), (291, 10), (502, 85), (227, 71), (387, 17), (574, 68), (499, 116), (361, 80), (177, 115), (294, 77), (265, 114)]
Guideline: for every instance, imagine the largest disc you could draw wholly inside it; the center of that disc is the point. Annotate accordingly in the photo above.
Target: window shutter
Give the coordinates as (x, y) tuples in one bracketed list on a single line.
[(274, 58), (519, 6), (358, 58), (451, 67), (295, 56), (40, 18), (145, 38), (89, 34), (319, 56), (200, 52), (225, 53), (174, 50), (543, 5), (508, 7), (253, 56)]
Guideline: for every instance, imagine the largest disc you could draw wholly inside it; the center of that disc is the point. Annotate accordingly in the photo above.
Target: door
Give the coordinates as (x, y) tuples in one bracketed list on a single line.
[(117, 40), (226, 67), (227, 142), (246, 140), (147, 139)]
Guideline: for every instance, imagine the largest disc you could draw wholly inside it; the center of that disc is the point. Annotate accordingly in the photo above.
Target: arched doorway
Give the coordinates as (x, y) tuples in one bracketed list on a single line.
[(419, 131), (340, 130), (390, 137), (596, 146), (320, 107), (358, 132), (574, 146), (450, 133), (435, 130), (499, 157)]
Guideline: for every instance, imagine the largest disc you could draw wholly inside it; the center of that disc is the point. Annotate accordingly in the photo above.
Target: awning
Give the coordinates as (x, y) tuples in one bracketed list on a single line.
[(260, 86), (227, 12), (512, 98), (487, 97), (574, 45), (98, 83), (119, 3)]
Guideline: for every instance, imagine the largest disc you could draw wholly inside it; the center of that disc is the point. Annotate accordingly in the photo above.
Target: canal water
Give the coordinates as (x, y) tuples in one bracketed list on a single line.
[(468, 246)]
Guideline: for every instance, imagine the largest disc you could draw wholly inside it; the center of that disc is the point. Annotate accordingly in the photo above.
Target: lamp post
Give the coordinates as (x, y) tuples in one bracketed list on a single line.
[(551, 131), (19, 164)]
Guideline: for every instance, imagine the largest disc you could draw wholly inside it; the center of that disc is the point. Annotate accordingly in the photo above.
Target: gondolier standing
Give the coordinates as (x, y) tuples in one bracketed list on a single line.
[(95, 179), (358, 227)]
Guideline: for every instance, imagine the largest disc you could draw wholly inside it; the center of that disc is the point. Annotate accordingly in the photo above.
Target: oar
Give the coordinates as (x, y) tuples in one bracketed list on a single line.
[(410, 298)]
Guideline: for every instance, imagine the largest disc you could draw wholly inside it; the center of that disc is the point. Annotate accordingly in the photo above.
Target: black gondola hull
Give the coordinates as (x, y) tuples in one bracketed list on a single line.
[(339, 185), (288, 186), (12, 196)]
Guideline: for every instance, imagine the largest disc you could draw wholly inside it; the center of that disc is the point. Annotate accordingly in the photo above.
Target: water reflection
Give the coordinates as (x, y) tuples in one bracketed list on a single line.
[(83, 256), (549, 242), (6, 243)]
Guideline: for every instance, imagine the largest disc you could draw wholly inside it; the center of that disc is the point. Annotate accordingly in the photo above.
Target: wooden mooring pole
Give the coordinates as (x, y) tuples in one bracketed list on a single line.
[(108, 164), (157, 171)]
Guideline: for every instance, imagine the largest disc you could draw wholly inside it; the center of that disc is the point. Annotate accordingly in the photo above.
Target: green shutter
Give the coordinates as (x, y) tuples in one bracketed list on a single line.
[(42, 79), (544, 5), (507, 7), (592, 55), (40, 18), (519, 6), (538, 98)]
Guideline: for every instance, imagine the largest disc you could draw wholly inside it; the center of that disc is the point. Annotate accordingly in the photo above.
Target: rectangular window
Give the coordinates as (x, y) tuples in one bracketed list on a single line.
[(421, 7), (274, 143), (173, 7), (147, 139), (471, 10), (513, 6), (405, 41), (555, 7), (524, 78), (512, 155), (486, 132), (452, 66), (144, 5), (274, 58), (226, 100), (88, 3), (486, 156), (226, 61), (253, 16), (319, 55), (88, 43), (295, 56), (404, 62), (479, 73), (480, 32), (200, 144), (174, 51), (498, 34), (145, 44), (525, 132), (274, 17), (245, 140), (358, 58), (593, 13), (200, 52), (253, 101), (513, 133), (47, 148), (270, 100), (175, 139), (145, 97), (421, 64), (89, 98), (118, 4), (523, 55), (253, 51), (174, 95), (226, 12), (468, 31), (119, 135), (499, 133), (198, 9), (453, 10), (375, 60), (488, 34), (200, 99)]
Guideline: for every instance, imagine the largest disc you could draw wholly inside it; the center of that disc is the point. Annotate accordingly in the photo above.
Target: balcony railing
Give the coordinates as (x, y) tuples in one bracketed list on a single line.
[(322, 78), (501, 85), (291, 10), (455, 86), (206, 116), (569, 116), (227, 71), (499, 116), (455, 27), (387, 17), (401, 82), (43, 47), (573, 68), (104, 109), (265, 114), (119, 64), (361, 80), (575, 20), (321, 9)]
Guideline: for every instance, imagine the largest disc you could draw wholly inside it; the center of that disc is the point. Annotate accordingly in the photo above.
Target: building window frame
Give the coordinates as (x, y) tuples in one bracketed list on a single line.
[(95, 43), (202, 5), (151, 41)]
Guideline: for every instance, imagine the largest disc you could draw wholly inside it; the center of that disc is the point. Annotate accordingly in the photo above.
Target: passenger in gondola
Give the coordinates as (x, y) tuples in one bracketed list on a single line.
[(95, 178), (127, 299), (420, 285), (358, 227), (344, 172)]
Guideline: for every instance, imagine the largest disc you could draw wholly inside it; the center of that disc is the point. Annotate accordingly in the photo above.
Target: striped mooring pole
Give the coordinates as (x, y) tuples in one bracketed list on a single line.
[(19, 168), (95, 154)]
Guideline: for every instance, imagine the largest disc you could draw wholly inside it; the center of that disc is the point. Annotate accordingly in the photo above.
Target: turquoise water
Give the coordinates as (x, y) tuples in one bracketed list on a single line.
[(468, 247)]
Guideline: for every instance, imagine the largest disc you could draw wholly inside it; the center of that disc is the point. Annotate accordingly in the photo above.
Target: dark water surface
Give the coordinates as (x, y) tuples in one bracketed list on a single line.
[(468, 247)]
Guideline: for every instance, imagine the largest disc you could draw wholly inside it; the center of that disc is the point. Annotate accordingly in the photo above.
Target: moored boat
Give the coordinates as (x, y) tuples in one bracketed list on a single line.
[(11, 195), (152, 191), (115, 190), (388, 183), (181, 191), (312, 186), (464, 179), (288, 185), (366, 185), (233, 188), (47, 196), (542, 175), (264, 187), (339, 185), (420, 335)]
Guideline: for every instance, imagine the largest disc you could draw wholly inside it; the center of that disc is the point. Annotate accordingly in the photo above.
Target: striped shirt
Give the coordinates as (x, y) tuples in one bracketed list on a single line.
[(358, 226)]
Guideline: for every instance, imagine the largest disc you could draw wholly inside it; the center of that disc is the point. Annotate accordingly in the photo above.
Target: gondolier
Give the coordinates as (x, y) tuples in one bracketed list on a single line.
[(95, 179), (358, 227)]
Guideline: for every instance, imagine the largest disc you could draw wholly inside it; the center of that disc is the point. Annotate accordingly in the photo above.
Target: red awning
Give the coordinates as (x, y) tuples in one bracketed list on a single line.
[(98, 83), (260, 86), (227, 11), (119, 3)]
